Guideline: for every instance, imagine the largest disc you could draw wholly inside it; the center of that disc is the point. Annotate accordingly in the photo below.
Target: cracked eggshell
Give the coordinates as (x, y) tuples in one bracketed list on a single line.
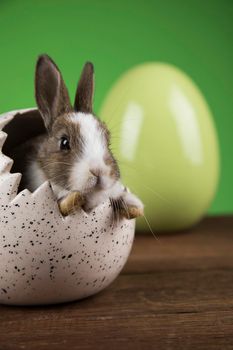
[(46, 258)]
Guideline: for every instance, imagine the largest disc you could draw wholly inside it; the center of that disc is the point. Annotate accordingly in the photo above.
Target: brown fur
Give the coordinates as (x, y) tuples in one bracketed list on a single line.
[(50, 91), (56, 164), (85, 90)]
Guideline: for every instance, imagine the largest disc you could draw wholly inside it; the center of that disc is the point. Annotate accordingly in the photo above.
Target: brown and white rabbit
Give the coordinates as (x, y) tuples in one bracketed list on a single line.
[(74, 154)]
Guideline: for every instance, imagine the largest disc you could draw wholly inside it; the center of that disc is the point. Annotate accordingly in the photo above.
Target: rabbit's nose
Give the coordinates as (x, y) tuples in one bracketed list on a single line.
[(91, 182), (95, 175), (95, 172), (98, 176)]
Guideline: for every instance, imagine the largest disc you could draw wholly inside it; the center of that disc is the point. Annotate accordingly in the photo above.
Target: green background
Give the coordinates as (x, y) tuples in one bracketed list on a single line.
[(196, 36)]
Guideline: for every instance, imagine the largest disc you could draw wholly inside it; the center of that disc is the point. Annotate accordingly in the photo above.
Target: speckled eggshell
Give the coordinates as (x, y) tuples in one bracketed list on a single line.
[(46, 258)]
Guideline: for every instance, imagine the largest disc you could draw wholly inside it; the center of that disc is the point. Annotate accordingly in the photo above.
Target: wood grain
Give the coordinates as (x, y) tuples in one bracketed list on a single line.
[(174, 293)]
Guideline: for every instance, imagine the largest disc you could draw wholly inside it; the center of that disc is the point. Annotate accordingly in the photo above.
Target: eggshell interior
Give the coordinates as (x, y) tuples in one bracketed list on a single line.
[(46, 258)]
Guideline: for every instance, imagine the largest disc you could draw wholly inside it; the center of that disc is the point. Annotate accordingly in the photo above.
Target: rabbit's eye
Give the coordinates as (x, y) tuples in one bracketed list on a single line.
[(64, 143)]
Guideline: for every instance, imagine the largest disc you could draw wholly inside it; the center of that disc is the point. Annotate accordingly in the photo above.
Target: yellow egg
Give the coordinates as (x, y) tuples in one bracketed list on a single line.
[(166, 144)]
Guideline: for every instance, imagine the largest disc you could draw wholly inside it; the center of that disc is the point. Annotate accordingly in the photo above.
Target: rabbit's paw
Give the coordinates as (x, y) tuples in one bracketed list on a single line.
[(72, 202), (128, 206)]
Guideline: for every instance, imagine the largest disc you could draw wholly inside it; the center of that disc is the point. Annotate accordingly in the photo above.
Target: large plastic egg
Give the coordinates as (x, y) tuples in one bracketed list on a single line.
[(165, 141), (46, 258)]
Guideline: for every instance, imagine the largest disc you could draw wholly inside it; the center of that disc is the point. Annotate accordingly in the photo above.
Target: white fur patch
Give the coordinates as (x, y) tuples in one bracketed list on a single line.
[(94, 150), (94, 141)]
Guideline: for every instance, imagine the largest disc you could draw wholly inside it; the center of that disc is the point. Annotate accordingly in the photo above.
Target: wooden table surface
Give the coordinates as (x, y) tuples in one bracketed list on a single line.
[(174, 293)]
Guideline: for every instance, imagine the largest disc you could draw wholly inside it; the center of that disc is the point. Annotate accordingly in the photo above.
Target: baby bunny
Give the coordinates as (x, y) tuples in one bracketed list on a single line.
[(74, 154)]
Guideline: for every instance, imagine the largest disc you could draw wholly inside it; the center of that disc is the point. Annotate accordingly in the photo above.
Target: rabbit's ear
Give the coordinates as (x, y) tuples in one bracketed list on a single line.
[(51, 93), (85, 90)]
